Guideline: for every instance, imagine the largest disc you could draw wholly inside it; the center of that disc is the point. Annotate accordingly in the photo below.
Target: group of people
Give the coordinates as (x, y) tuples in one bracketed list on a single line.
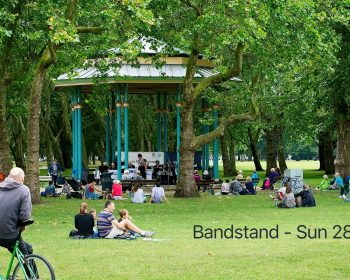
[(104, 225), (338, 183), (285, 198)]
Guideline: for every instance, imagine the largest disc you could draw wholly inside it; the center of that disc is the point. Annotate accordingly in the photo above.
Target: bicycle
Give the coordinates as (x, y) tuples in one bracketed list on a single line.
[(295, 183), (29, 267)]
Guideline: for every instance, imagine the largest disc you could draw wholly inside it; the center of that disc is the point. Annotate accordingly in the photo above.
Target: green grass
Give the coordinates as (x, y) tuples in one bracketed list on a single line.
[(180, 256)]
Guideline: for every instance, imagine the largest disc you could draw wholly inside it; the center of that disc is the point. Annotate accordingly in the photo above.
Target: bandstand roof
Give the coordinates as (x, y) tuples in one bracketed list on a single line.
[(145, 77)]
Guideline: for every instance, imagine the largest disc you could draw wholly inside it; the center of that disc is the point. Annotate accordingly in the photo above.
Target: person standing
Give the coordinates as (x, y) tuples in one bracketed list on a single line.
[(15, 207), (142, 165), (54, 171)]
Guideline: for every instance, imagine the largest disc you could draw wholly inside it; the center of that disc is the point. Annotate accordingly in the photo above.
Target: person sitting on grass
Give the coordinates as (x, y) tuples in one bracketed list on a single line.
[(236, 187), (266, 184), (91, 191), (279, 194), (92, 211), (250, 186), (158, 194), (255, 177), (307, 198), (108, 226), (50, 190), (137, 195), (337, 183), (84, 222), (225, 187), (117, 190), (288, 200), (324, 185), (240, 175)]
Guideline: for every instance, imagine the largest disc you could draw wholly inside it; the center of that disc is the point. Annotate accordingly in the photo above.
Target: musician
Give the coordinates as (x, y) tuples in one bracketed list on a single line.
[(157, 169), (142, 165)]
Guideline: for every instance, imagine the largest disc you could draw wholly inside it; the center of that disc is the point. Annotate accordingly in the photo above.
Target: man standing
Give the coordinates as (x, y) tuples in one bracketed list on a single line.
[(109, 227), (55, 170), (15, 207)]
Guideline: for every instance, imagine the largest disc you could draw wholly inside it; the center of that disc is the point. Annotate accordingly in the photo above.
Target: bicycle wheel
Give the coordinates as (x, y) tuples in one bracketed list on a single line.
[(37, 268)]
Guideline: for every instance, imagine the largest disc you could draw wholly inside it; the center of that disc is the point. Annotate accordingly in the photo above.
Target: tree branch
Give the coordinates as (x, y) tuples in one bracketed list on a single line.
[(90, 29), (227, 121), (71, 9), (222, 77)]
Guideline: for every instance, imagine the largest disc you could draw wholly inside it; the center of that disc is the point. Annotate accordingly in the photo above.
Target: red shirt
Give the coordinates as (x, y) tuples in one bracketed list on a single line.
[(117, 190)]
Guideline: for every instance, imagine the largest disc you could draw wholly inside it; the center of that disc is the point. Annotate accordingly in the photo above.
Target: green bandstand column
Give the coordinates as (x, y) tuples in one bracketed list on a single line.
[(207, 146), (74, 141), (126, 128), (113, 127), (165, 125), (178, 128), (107, 132), (159, 127), (119, 135), (77, 134), (216, 143)]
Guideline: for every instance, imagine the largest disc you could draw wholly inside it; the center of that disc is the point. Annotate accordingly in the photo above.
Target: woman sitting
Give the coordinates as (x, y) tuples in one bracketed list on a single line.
[(84, 222), (137, 194), (117, 190), (92, 192), (288, 200), (250, 186)]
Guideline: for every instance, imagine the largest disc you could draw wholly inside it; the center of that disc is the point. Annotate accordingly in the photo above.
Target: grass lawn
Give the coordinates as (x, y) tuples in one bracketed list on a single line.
[(177, 255), (180, 256)]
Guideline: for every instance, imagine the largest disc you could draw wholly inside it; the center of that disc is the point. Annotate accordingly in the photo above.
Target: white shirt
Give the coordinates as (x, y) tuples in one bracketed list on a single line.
[(138, 197), (225, 187), (157, 194)]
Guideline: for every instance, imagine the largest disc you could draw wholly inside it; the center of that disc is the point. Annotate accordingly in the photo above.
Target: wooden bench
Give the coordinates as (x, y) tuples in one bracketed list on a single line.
[(208, 183), (127, 184)]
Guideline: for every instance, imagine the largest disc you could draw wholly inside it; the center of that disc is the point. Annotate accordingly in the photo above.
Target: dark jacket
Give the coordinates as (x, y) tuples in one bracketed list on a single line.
[(307, 198), (15, 206)]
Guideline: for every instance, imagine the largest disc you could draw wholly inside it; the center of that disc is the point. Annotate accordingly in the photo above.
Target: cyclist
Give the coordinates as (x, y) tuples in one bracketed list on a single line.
[(15, 207)]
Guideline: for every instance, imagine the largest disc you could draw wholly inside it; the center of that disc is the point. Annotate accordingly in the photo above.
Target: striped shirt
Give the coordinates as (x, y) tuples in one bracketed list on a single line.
[(104, 223)]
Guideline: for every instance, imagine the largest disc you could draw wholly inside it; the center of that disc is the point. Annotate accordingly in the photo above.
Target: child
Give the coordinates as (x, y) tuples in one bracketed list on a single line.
[(324, 185), (225, 187), (124, 215)]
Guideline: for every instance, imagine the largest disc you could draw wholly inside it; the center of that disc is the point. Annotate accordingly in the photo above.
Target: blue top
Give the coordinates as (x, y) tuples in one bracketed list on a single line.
[(255, 175), (50, 190), (339, 181)]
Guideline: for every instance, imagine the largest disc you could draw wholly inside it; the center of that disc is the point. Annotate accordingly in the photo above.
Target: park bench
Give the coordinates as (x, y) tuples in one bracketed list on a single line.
[(44, 181), (208, 183)]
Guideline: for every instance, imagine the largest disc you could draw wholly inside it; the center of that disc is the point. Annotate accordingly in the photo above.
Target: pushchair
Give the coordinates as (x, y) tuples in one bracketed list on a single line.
[(72, 188)]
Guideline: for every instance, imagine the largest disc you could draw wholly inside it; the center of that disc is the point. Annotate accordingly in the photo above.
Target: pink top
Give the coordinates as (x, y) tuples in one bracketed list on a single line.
[(117, 190)]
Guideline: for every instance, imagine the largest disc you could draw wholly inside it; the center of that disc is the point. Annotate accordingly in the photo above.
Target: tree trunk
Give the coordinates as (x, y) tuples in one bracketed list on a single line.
[(342, 161), (225, 156), (321, 155), (253, 141), (5, 153), (33, 135), (232, 154), (66, 135), (270, 152), (186, 186), (328, 153), (280, 149), (18, 132)]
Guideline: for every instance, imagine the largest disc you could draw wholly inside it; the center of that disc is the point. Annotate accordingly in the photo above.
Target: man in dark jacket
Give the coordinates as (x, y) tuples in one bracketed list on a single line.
[(15, 207), (307, 198)]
